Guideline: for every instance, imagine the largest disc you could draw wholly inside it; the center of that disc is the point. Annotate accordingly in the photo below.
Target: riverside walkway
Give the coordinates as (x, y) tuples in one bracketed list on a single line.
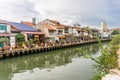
[(20, 52)]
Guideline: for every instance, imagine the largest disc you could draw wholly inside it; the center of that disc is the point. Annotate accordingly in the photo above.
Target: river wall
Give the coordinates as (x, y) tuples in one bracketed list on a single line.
[(20, 52)]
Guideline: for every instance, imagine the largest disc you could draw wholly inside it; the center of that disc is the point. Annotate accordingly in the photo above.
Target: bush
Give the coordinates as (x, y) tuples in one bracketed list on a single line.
[(108, 59), (115, 32), (20, 38), (2, 40)]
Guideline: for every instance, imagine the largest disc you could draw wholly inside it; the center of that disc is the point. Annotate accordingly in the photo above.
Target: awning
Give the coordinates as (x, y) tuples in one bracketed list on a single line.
[(67, 34), (36, 36), (4, 34), (61, 36), (33, 32), (48, 37)]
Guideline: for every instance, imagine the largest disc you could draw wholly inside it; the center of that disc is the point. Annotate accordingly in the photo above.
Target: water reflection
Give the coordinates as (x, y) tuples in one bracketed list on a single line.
[(10, 67)]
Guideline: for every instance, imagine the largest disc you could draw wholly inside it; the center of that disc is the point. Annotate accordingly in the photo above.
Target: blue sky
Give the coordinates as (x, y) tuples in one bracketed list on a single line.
[(85, 12)]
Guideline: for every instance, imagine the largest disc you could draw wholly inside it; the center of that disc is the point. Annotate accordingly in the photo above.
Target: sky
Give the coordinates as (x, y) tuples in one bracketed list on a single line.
[(84, 12)]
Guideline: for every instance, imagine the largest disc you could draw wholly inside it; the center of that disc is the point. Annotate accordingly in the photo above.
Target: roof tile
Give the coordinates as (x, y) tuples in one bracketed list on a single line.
[(28, 23), (47, 26)]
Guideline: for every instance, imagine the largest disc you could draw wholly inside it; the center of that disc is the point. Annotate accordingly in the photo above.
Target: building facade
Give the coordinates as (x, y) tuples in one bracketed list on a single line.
[(28, 31), (5, 33), (49, 31), (104, 30)]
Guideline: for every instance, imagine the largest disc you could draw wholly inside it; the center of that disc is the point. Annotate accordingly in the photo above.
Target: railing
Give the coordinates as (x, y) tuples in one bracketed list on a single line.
[(35, 49)]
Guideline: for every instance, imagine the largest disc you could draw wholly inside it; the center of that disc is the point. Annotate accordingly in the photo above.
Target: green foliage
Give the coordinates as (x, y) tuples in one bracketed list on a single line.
[(30, 41), (114, 32), (2, 40), (20, 38), (115, 40), (108, 59), (97, 76), (97, 37)]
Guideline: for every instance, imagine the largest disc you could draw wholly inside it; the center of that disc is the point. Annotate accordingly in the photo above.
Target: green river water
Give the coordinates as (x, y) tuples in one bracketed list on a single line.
[(63, 64)]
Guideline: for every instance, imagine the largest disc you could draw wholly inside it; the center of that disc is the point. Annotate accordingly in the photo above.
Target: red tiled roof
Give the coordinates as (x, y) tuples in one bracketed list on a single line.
[(47, 26), (56, 23), (53, 21), (28, 23), (59, 26)]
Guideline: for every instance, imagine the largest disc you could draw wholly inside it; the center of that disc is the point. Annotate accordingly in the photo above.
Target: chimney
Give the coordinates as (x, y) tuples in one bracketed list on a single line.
[(34, 21), (21, 21)]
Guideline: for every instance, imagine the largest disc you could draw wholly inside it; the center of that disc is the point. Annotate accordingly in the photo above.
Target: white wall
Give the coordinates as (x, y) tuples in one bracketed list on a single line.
[(105, 34), (75, 31), (12, 40), (70, 30), (52, 33), (8, 29)]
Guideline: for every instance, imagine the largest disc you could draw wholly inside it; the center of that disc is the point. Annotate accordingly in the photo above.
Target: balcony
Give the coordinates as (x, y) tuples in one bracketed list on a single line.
[(59, 33)]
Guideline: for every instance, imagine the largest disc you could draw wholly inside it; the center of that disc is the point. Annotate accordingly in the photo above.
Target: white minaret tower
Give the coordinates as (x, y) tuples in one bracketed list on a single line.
[(103, 27)]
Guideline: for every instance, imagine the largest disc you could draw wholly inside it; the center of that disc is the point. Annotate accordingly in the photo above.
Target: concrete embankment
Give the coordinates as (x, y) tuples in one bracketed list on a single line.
[(20, 52)]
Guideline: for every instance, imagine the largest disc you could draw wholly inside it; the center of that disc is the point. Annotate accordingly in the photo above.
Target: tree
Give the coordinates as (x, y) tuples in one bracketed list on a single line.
[(2, 40), (114, 32), (20, 38)]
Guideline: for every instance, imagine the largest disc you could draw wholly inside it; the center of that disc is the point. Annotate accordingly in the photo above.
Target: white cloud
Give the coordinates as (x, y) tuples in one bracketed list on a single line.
[(72, 9), (17, 11), (90, 12)]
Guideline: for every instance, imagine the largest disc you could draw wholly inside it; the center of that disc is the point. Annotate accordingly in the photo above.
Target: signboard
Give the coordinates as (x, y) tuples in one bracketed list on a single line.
[(12, 41)]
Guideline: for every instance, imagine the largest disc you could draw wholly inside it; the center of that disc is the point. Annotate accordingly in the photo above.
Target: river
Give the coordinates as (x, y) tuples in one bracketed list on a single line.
[(63, 64)]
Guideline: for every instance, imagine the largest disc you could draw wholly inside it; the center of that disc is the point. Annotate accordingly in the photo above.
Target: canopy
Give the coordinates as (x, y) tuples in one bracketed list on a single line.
[(33, 32)]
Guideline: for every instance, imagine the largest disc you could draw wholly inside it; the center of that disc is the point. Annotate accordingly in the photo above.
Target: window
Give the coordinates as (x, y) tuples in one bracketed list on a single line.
[(3, 27), (60, 32), (30, 36), (51, 33), (66, 30), (78, 32)]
